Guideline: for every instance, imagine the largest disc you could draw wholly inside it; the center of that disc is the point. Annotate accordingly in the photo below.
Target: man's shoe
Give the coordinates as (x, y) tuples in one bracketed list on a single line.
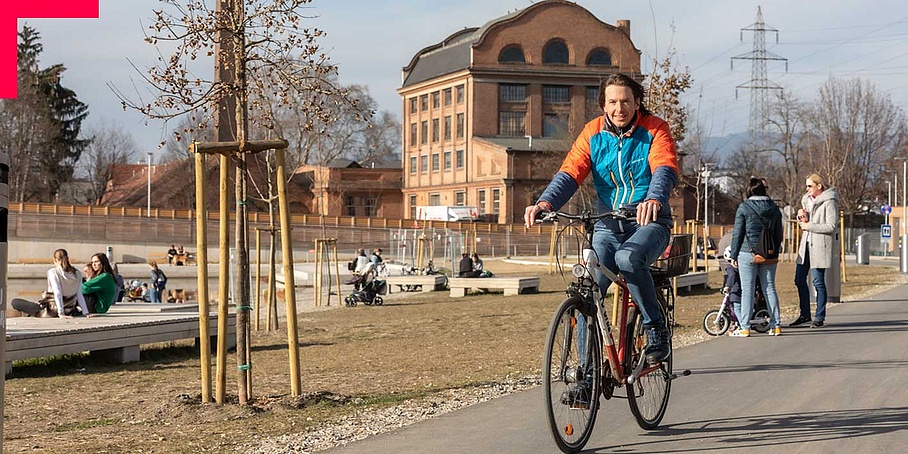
[(817, 324), (799, 321), (578, 396), (740, 333), (658, 345)]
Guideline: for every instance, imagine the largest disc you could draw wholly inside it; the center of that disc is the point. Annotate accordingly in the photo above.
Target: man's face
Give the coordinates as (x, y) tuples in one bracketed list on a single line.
[(620, 105)]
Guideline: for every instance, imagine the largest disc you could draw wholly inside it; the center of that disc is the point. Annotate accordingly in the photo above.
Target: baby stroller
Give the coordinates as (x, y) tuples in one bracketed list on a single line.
[(369, 294)]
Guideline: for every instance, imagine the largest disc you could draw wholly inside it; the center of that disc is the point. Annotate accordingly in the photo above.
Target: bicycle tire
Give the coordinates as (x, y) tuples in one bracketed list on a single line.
[(716, 323), (648, 396), (760, 321), (572, 353)]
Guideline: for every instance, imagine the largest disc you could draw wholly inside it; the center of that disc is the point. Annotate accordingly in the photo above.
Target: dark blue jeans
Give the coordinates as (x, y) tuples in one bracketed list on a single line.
[(630, 252), (819, 283)]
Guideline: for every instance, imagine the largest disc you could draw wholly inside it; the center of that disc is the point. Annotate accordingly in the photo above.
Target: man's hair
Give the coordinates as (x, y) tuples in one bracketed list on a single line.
[(756, 187), (622, 80)]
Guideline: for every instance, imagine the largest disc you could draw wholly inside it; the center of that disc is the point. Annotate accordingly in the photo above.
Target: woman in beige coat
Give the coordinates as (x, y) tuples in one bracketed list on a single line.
[(818, 218)]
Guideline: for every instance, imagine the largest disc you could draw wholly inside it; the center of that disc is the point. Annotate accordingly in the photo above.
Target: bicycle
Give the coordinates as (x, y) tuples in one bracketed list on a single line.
[(581, 357), (717, 322)]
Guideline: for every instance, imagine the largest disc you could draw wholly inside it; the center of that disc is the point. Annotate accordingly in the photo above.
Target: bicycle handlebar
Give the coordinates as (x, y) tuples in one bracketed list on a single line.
[(623, 214)]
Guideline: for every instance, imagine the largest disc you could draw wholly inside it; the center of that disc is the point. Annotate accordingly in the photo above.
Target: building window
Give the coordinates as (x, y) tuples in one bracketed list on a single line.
[(434, 200), (350, 206), (434, 130), (448, 127), (412, 206), (435, 163), (424, 132), (413, 134), (554, 125), (460, 126), (599, 57), (555, 52), (447, 160), (459, 90), (496, 200), (512, 54), (556, 94), (371, 208), (592, 103), (412, 164), (512, 93), (424, 102), (436, 100), (512, 123), (412, 105), (460, 198), (458, 159), (481, 195), (446, 96), (423, 163)]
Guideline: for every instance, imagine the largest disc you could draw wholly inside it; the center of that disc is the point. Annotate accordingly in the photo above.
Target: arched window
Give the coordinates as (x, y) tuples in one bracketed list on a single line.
[(599, 57), (512, 54), (555, 52)]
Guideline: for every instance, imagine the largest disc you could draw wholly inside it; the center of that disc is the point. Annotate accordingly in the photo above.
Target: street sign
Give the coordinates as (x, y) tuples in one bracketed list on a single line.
[(886, 209), (886, 231)]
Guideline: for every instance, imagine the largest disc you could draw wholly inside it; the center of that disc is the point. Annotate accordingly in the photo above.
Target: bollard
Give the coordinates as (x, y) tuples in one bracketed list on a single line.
[(903, 254)]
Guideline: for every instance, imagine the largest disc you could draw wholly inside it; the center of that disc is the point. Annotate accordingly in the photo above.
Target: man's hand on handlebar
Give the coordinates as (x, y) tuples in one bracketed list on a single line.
[(533, 211), (647, 211)]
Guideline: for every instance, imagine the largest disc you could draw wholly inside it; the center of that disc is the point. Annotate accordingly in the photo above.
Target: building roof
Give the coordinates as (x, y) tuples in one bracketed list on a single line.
[(454, 53), (527, 144)]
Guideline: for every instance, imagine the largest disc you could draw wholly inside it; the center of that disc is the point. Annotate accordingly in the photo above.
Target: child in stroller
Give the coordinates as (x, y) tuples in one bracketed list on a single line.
[(366, 287), (369, 293)]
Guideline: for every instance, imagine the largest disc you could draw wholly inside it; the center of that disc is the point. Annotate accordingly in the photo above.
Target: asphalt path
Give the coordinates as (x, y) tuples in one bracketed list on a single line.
[(838, 389)]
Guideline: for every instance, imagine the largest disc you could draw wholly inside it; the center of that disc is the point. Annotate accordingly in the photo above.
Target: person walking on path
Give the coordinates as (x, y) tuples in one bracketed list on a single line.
[(753, 215), (818, 218)]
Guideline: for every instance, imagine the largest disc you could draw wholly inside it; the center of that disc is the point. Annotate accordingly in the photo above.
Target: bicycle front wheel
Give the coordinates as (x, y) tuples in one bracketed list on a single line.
[(648, 396), (715, 323), (571, 372)]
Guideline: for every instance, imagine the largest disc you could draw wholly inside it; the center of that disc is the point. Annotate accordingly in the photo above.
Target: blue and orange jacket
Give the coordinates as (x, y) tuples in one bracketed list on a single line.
[(640, 164)]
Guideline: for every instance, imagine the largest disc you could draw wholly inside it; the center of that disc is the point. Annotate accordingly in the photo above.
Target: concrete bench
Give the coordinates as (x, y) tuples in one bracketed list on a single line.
[(425, 283), (115, 336), (510, 285), (689, 280)]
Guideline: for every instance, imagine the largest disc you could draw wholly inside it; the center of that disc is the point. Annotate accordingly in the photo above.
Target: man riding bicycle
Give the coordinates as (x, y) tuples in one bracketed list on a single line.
[(634, 162)]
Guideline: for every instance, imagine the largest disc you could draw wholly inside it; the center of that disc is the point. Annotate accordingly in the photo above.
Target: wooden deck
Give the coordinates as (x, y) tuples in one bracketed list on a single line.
[(116, 335)]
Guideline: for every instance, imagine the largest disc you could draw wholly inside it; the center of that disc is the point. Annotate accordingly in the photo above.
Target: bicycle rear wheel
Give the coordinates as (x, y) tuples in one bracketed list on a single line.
[(572, 375), (648, 396)]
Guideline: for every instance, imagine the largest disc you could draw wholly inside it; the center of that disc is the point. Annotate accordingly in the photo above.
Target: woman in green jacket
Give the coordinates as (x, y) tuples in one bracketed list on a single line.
[(101, 289)]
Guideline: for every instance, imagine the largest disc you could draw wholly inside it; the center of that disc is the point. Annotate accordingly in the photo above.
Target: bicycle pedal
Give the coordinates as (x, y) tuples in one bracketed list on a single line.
[(676, 376)]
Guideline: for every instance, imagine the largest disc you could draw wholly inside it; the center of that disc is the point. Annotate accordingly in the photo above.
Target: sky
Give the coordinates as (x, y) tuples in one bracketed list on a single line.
[(371, 41)]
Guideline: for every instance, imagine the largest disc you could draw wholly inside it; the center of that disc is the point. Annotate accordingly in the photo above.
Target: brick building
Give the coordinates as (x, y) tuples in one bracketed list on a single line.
[(347, 188), (484, 107)]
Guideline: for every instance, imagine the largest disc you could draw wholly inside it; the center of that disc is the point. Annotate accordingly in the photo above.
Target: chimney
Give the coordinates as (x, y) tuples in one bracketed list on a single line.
[(625, 26)]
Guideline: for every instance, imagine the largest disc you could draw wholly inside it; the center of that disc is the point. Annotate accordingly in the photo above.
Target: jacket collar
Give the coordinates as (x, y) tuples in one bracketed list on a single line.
[(607, 125)]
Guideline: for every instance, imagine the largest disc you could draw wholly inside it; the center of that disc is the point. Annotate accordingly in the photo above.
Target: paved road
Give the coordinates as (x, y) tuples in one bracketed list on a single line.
[(839, 389)]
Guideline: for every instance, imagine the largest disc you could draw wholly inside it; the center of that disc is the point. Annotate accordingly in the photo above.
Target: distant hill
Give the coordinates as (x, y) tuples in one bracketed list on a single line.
[(724, 146)]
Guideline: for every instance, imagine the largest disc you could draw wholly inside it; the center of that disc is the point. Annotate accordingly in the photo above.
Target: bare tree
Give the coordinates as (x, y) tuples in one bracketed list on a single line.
[(110, 145), (854, 128), (787, 136)]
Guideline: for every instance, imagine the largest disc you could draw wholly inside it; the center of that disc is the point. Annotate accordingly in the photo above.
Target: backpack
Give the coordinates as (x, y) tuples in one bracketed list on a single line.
[(352, 265), (764, 249), (160, 279)]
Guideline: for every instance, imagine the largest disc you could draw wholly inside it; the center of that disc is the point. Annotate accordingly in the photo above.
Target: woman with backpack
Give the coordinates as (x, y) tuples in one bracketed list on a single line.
[(158, 282), (818, 218), (755, 244)]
